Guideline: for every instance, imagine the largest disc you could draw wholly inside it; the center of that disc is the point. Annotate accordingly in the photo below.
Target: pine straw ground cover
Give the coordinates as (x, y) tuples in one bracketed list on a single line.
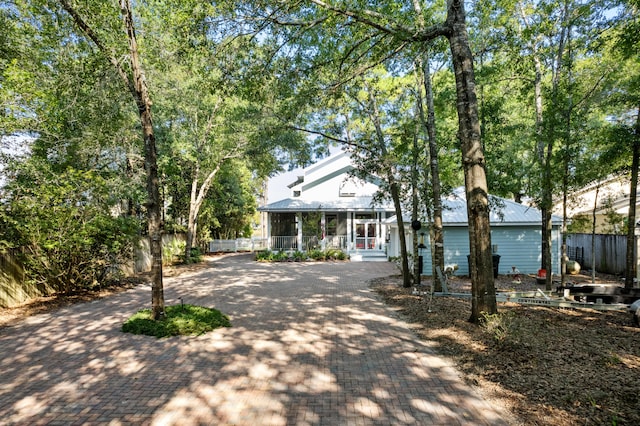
[(547, 366)]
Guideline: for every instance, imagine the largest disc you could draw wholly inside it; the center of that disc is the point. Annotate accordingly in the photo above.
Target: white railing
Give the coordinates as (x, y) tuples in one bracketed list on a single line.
[(284, 243), (240, 244), (336, 241), (314, 243), (277, 243)]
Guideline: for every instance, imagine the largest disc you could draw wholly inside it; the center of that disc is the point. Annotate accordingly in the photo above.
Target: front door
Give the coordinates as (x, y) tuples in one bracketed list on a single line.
[(366, 236)]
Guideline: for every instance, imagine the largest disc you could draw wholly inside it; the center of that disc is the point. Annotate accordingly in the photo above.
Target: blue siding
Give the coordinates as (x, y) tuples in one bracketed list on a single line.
[(517, 246)]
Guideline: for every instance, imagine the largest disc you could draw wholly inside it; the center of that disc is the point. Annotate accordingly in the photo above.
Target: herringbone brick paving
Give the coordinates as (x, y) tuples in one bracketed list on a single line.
[(310, 345)]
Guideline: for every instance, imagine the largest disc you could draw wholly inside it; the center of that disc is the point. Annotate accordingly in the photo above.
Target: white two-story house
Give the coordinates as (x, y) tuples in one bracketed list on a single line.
[(328, 208)]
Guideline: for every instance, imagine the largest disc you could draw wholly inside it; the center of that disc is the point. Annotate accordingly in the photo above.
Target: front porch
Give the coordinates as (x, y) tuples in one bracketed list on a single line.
[(362, 235)]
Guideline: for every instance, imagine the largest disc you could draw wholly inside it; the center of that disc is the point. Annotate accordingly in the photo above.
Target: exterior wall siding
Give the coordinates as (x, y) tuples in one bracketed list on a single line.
[(517, 246)]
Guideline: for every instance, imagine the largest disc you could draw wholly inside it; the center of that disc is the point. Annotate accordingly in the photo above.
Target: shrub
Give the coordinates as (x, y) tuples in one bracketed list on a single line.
[(70, 240), (179, 320), (281, 256), (172, 251), (264, 256), (298, 256), (500, 326), (336, 254), (195, 255), (317, 254)]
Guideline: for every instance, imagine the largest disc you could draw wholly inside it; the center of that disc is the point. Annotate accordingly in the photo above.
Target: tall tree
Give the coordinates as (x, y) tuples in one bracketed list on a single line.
[(628, 39), (134, 80), (630, 259), (432, 186), (428, 122)]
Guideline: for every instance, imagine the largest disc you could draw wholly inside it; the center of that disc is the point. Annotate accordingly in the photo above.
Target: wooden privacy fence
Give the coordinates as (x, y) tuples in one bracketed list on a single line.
[(610, 252), (14, 289)]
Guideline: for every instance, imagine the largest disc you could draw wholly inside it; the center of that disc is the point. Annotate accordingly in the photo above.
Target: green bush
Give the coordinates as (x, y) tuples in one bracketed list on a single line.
[(195, 255), (500, 326), (317, 254), (179, 320), (299, 256), (281, 256), (62, 221), (173, 251), (264, 256), (336, 254)]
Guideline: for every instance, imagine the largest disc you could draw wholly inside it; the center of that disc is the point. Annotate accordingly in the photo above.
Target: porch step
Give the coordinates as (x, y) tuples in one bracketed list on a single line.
[(368, 256)]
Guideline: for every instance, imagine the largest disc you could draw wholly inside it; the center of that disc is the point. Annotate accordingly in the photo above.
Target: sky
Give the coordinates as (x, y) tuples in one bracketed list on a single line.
[(12, 146)]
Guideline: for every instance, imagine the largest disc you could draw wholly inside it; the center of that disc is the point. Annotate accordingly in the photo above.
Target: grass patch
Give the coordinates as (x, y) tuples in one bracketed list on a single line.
[(179, 320)]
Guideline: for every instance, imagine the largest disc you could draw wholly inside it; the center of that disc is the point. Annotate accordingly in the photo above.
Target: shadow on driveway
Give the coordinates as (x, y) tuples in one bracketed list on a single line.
[(310, 345)]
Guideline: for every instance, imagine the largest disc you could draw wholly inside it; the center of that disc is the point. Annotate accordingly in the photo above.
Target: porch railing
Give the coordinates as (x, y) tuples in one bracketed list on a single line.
[(337, 241), (308, 242), (284, 243)]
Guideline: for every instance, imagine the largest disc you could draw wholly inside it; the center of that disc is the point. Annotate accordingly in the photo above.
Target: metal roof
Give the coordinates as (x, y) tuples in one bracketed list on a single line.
[(503, 212)]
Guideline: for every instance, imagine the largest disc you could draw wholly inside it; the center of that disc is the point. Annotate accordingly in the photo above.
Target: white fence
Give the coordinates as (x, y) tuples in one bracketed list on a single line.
[(287, 243), (240, 244)]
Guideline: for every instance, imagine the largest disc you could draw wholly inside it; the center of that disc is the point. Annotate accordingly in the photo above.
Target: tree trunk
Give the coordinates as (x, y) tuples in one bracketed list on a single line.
[(566, 158), (437, 232), (196, 199), (393, 188), (540, 149), (547, 204), (417, 259), (633, 193), (395, 196), (191, 221), (565, 257), (593, 235), (481, 262), (547, 263)]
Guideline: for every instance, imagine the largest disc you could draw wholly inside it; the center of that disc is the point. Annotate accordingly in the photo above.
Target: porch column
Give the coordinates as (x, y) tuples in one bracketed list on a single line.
[(349, 231), (268, 233), (299, 230), (323, 229), (379, 230), (637, 241)]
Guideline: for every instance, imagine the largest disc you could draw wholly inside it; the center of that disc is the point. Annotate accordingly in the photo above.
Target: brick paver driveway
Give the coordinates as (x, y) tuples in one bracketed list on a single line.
[(310, 345)]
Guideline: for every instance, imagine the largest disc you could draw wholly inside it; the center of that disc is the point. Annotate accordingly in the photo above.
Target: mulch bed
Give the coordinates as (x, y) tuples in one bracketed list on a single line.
[(545, 365)]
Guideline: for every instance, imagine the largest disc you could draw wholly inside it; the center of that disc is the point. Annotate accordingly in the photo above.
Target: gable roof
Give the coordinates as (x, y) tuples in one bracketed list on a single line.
[(328, 182)]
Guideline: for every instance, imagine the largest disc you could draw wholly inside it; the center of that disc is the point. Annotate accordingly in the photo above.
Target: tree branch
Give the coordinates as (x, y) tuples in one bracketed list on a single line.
[(372, 19), (98, 42)]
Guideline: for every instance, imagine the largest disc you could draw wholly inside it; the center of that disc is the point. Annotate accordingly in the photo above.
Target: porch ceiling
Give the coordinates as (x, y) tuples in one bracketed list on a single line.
[(342, 204)]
